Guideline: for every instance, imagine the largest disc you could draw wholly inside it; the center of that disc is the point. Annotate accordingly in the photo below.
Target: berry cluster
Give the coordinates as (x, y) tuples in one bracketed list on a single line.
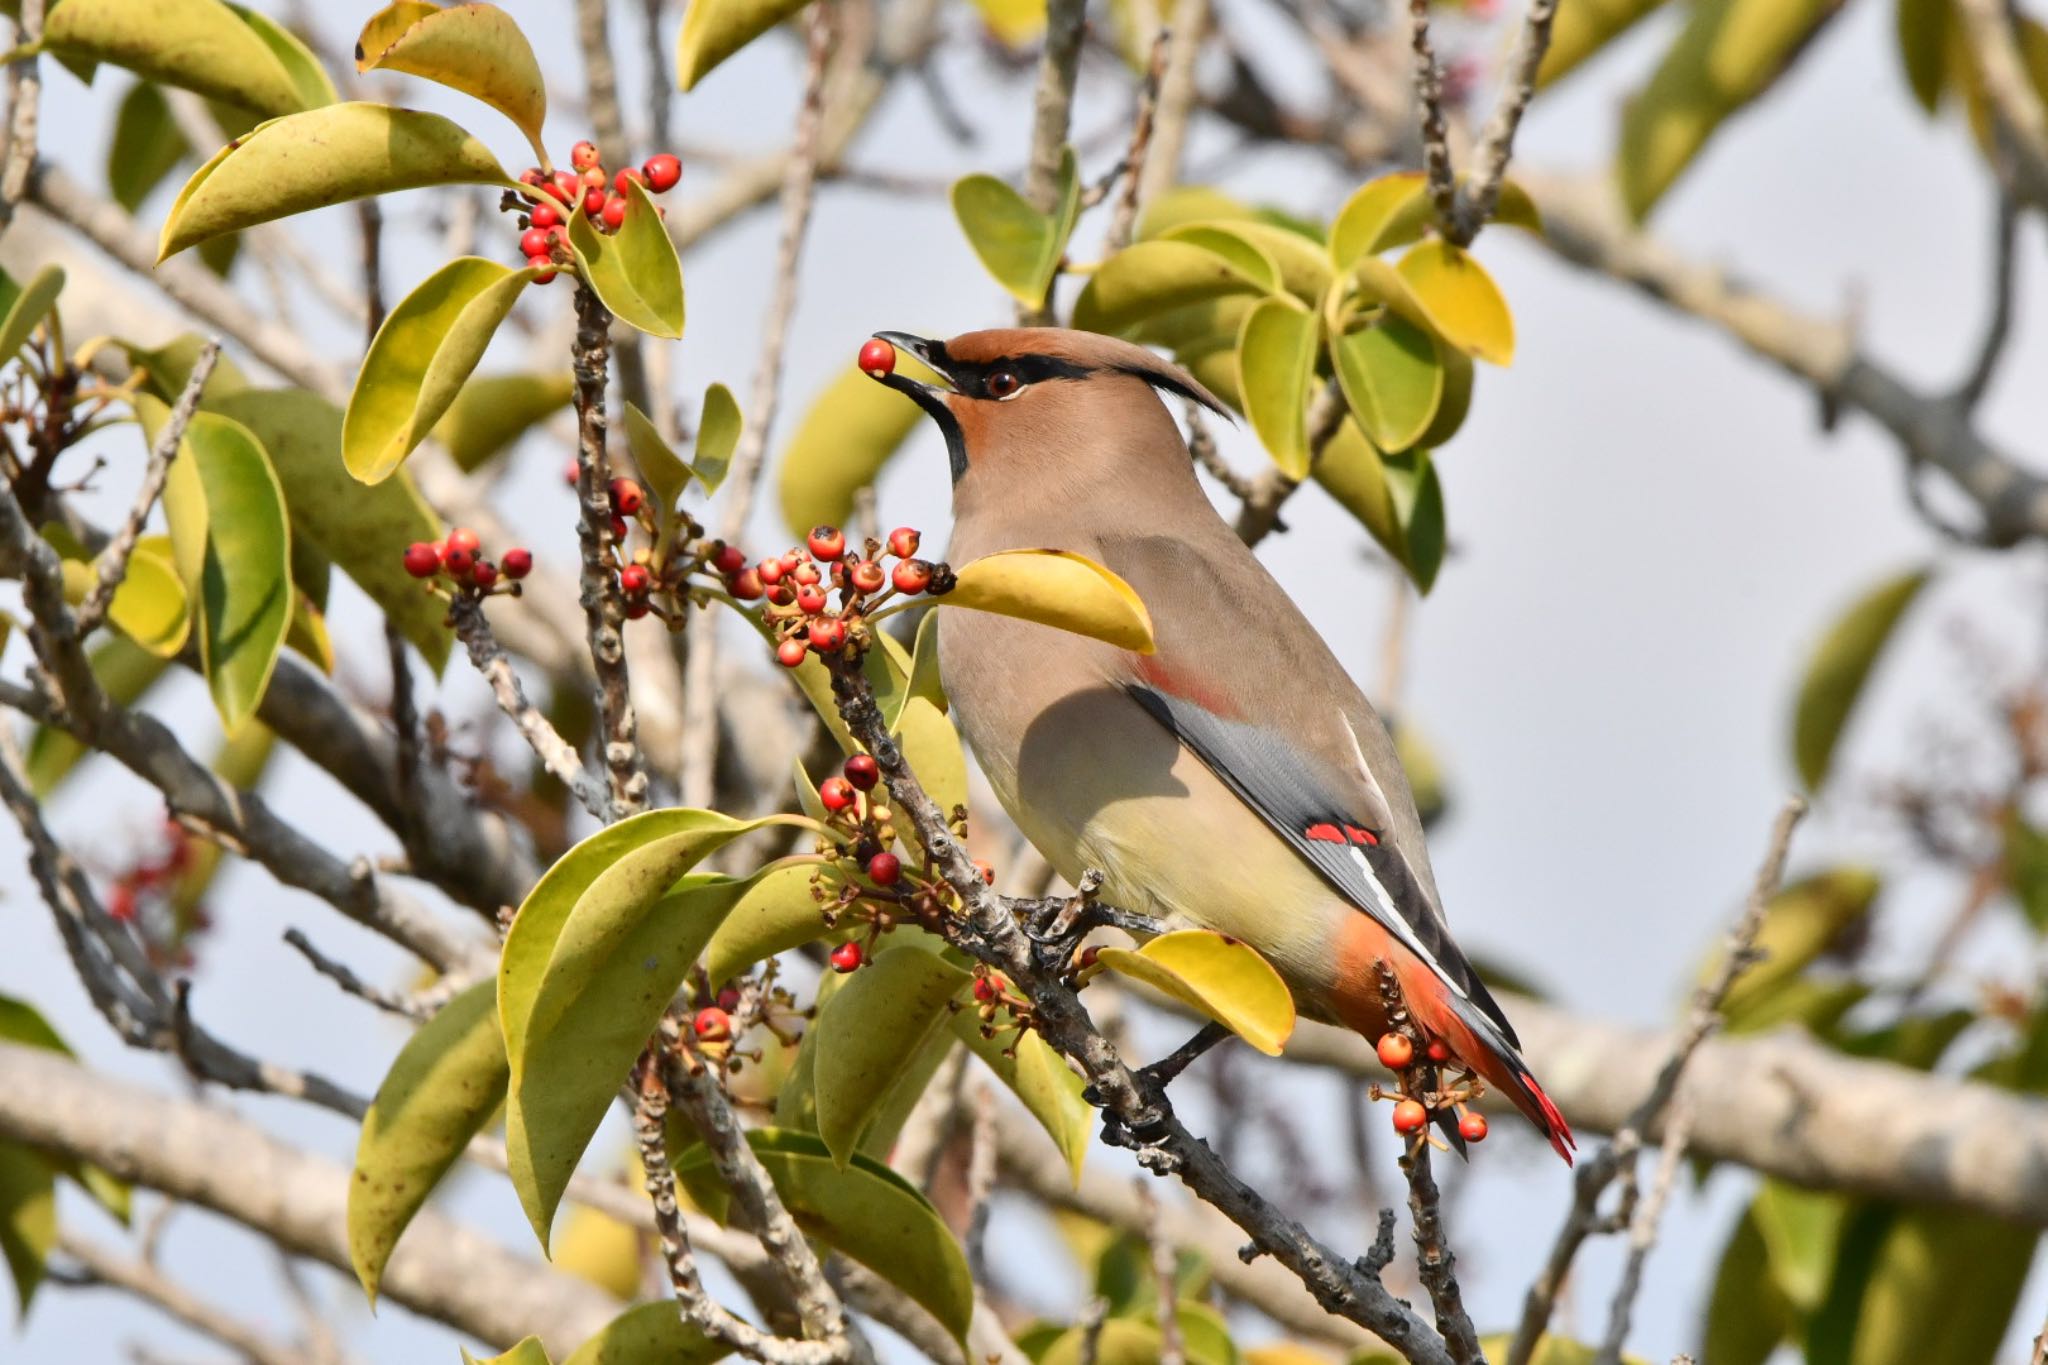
[(151, 897), (589, 189), (459, 559), (721, 1020), (798, 585), (1418, 1096)]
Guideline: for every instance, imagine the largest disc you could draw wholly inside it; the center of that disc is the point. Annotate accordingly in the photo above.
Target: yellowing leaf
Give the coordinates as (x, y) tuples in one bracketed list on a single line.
[(1150, 278), (494, 410), (635, 269), (873, 1029), (476, 49), (599, 1248), (777, 913), (1020, 246), (715, 29), (1219, 977), (1038, 1076), (1055, 588), (1377, 215), (1582, 28), (528, 1352), (1836, 673), (307, 76), (847, 435), (649, 1334), (447, 1081), (1301, 267), (322, 157), (198, 45), (1276, 365), (1015, 23), (1799, 924), (1187, 204), (1464, 304), (150, 606), (1392, 381), (419, 359)]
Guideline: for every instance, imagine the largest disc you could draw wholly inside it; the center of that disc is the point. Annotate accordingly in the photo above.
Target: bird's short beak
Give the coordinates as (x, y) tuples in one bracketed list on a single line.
[(933, 353)]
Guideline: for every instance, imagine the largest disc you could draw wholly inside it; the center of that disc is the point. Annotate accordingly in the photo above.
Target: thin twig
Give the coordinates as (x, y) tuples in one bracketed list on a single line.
[(1125, 217), (1643, 1232), (1429, 91), (1189, 24), (25, 79), (1164, 1260), (114, 559), (981, 1179), (1259, 515), (1059, 67), (1998, 330), (1497, 143), (395, 1002), (556, 754), (101, 1266)]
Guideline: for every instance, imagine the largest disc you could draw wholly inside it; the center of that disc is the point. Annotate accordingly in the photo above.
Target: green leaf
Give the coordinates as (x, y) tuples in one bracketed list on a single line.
[(28, 1216), (169, 368), (1352, 471), (528, 1352), (1041, 1078), (125, 672), (1301, 264), (1187, 204), (715, 29), (1151, 278), (1800, 922), (1055, 588), (1217, 976), (1465, 306), (476, 49), (1926, 28), (199, 45), (420, 359), (1122, 1341), (2026, 868), (1457, 397), (1276, 361), (493, 410), (1839, 668), (1418, 497), (1747, 1314), (231, 542), (150, 606), (875, 1026), (661, 469), (1392, 381), (30, 305), (362, 529), (1583, 28), (849, 432), (1729, 52), (649, 1334), (932, 748), (1020, 246), (777, 913), (1942, 1289), (445, 1085), (866, 1211), (321, 157), (1801, 1232), (718, 434), (922, 678), (635, 270), (307, 76), (146, 146)]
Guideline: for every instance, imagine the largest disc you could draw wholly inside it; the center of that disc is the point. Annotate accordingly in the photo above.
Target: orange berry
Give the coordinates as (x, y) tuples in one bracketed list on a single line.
[(1472, 1127), (1396, 1052), (1409, 1116)]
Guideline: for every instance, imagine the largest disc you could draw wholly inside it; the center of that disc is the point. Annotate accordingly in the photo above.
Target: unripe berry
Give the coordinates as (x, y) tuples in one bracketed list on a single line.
[(545, 215), (1472, 1127), (810, 601), (806, 575), (911, 576), (827, 542), (459, 563), (568, 187), (1409, 1116), (543, 268), (847, 957), (634, 580), (1397, 1053), (770, 571), (583, 155), (903, 542), (626, 497), (593, 200), (518, 563), (836, 793), (877, 356), (744, 586), (827, 635), (1439, 1052), (422, 559), (485, 573), (663, 171), (863, 772), (534, 242), (614, 211), (462, 538), (885, 869), (790, 653), (867, 576), (729, 559), (712, 1024)]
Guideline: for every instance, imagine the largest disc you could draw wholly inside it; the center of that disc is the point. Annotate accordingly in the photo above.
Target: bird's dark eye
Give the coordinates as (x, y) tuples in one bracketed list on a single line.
[(1003, 384)]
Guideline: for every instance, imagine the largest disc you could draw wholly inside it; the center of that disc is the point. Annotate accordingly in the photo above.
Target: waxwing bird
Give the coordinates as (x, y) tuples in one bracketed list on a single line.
[(1236, 779)]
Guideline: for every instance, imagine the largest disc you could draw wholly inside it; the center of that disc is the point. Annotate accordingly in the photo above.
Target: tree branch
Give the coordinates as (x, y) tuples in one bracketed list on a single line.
[(23, 107), (556, 754), (1481, 192)]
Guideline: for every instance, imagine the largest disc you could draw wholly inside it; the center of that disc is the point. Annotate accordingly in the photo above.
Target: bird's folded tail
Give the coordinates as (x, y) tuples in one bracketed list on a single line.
[(1477, 1042)]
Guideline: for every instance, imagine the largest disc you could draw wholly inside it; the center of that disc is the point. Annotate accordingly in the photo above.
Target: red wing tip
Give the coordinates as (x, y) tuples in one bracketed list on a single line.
[(1556, 1129)]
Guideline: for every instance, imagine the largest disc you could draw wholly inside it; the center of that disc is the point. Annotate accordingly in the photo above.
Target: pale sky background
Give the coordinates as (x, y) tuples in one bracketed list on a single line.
[(1650, 533)]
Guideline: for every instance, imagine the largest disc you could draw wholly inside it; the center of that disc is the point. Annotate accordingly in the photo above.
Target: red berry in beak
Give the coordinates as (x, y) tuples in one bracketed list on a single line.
[(877, 357), (662, 172)]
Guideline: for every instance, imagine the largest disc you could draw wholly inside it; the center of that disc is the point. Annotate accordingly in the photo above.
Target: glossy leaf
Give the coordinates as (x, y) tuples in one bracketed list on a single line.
[(1055, 588), (198, 45), (1019, 246), (1217, 976), (301, 67), (649, 1334), (1301, 264), (1150, 278), (168, 368), (1582, 29), (1373, 218), (146, 145), (876, 1025), (476, 49), (1800, 922), (1392, 381), (1456, 401), (865, 1211), (1464, 304), (718, 434), (528, 1352), (715, 29), (1041, 1078), (661, 469), (848, 433), (420, 359), (325, 156), (29, 305), (1353, 472), (445, 1085), (125, 672), (1418, 497), (1839, 668), (492, 411), (1276, 362), (1728, 53), (635, 270), (150, 606), (777, 913), (1187, 204), (363, 530), (28, 1216)]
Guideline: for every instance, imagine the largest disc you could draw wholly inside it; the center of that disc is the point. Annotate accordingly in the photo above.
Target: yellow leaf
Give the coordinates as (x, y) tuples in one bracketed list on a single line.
[(476, 49), (715, 29), (1219, 976), (1155, 277), (1055, 588), (1015, 23), (1582, 28), (198, 45), (599, 1248), (1464, 305)]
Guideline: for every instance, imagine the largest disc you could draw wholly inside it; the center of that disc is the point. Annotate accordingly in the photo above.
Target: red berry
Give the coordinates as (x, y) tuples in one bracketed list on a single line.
[(806, 574), (422, 559), (729, 998), (545, 215), (518, 563), (462, 538), (790, 653), (662, 172), (986, 990), (626, 497), (1438, 1051), (618, 527), (729, 559), (770, 571), (1409, 1116), (458, 563), (877, 356), (782, 594), (863, 772), (1472, 1127), (911, 576), (827, 635), (884, 869), (534, 242), (827, 542), (121, 902), (634, 580), (614, 211), (903, 542), (569, 473), (712, 1024), (584, 155), (836, 793), (637, 607), (1090, 955), (593, 200), (627, 177), (745, 585), (988, 874), (594, 178), (534, 176), (867, 576), (810, 601), (485, 573), (792, 560), (544, 272), (568, 186), (847, 957), (1397, 1053)]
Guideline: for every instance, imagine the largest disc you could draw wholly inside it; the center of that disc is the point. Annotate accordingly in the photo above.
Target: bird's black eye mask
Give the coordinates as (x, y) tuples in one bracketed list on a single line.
[(971, 379)]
